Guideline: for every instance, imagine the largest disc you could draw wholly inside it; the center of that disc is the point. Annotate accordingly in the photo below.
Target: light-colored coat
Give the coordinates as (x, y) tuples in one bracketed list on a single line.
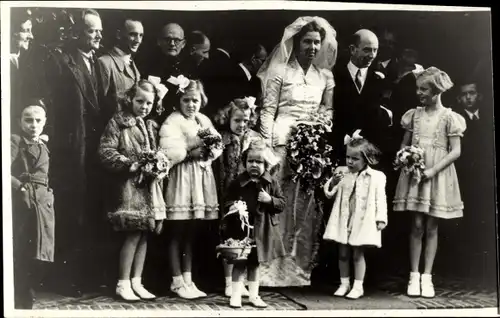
[(370, 208), (179, 135)]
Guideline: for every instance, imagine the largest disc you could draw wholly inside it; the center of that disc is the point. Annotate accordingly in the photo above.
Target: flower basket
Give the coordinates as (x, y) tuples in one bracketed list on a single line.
[(234, 250)]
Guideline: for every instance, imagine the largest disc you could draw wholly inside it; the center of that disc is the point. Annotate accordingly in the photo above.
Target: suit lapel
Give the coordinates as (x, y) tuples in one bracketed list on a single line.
[(82, 77)]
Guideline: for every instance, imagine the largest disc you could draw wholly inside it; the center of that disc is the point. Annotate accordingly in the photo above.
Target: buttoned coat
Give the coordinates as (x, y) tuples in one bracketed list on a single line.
[(370, 208)]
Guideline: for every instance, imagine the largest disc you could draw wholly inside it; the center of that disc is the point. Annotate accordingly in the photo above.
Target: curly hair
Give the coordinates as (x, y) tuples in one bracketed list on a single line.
[(312, 26), (223, 117), (143, 84), (370, 152), (437, 79), (267, 153)]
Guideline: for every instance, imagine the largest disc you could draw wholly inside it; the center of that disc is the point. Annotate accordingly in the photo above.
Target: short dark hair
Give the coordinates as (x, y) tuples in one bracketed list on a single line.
[(312, 26), (79, 18), (30, 101), (196, 37), (19, 16)]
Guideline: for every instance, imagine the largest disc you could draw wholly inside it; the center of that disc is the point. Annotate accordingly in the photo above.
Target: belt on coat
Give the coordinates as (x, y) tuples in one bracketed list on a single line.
[(33, 178)]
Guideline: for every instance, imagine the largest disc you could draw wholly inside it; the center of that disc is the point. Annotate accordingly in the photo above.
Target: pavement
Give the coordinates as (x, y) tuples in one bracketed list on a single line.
[(389, 293)]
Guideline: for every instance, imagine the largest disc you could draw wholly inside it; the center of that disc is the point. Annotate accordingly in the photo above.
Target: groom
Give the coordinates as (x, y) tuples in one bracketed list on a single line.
[(358, 95)]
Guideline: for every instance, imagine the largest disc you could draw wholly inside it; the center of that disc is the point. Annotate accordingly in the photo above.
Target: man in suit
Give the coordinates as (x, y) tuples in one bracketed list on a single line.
[(79, 121), (357, 95), (235, 78), (198, 53), (119, 72)]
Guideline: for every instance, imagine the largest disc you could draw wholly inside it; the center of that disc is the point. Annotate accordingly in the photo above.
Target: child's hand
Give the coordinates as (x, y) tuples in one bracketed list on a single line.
[(196, 153), (134, 167), (337, 177), (381, 225), (264, 197), (428, 174), (158, 227)]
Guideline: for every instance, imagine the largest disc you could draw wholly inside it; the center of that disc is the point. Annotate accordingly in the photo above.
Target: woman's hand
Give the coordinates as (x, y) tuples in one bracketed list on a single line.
[(428, 174), (134, 167)]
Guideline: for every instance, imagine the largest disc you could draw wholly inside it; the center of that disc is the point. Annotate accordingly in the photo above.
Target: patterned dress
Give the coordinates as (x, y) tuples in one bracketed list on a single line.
[(294, 97), (440, 196)]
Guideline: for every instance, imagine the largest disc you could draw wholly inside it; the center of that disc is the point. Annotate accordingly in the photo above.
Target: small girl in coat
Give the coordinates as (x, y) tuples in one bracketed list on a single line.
[(32, 203), (264, 200), (359, 212), (236, 121), (191, 192), (134, 209), (437, 130)]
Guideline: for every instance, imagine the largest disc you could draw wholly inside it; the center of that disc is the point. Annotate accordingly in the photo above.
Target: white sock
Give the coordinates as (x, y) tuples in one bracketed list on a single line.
[(124, 283), (358, 284), (253, 289), (345, 281), (187, 278), (136, 281), (229, 280), (177, 280)]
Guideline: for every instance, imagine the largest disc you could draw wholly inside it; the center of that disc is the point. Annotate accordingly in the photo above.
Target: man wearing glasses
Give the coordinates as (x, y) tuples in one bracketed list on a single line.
[(170, 62)]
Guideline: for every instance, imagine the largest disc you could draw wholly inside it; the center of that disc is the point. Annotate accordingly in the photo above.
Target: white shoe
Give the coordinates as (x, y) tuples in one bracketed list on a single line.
[(183, 291), (427, 286), (355, 293), (257, 302), (126, 293), (194, 289), (414, 285), (142, 292), (342, 290)]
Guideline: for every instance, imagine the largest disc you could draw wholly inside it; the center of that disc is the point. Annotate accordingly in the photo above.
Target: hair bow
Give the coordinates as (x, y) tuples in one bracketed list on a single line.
[(355, 136), (181, 81), (161, 90), (240, 207), (250, 100)]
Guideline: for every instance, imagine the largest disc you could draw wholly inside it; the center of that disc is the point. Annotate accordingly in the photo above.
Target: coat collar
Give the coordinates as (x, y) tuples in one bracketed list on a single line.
[(120, 58), (245, 178), (125, 119)]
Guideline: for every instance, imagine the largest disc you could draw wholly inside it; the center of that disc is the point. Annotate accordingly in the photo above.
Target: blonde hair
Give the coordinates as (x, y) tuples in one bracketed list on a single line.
[(267, 154), (143, 85), (198, 86), (438, 80), (370, 152)]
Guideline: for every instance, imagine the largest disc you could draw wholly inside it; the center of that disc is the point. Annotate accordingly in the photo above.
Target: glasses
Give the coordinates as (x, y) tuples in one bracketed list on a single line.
[(176, 41)]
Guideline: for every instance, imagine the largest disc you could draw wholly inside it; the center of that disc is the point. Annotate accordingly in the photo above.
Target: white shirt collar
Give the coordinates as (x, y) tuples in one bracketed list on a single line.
[(88, 55), (224, 51), (247, 72), (472, 114), (353, 69), (126, 57), (385, 63)]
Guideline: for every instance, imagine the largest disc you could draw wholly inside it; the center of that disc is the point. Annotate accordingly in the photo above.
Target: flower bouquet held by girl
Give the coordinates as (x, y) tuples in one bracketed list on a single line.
[(232, 249), (212, 145), (153, 165), (410, 160)]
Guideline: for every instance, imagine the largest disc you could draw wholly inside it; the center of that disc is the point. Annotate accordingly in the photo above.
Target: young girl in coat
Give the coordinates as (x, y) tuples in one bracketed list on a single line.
[(191, 192), (264, 199), (437, 130), (32, 203), (135, 209), (359, 212), (236, 121)]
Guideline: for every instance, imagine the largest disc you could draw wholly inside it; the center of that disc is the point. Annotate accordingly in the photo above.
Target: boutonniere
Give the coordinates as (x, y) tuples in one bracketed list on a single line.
[(181, 81), (43, 138), (380, 74)]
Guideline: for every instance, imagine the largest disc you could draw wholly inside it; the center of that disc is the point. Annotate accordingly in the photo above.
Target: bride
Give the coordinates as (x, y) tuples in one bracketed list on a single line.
[(297, 83)]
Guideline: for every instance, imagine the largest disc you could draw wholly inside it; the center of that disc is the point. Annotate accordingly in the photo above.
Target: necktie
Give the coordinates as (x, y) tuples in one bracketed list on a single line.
[(357, 80)]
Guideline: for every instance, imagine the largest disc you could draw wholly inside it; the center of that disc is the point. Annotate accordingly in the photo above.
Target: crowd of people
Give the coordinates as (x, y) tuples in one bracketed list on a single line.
[(101, 111)]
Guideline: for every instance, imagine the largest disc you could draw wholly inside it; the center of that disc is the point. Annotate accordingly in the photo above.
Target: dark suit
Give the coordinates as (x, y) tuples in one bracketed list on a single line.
[(354, 110), (117, 78), (75, 172), (227, 83)]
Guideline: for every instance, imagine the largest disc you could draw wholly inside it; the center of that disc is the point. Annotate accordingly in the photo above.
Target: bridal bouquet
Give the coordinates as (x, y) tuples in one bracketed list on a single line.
[(410, 160), (308, 153), (153, 165)]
